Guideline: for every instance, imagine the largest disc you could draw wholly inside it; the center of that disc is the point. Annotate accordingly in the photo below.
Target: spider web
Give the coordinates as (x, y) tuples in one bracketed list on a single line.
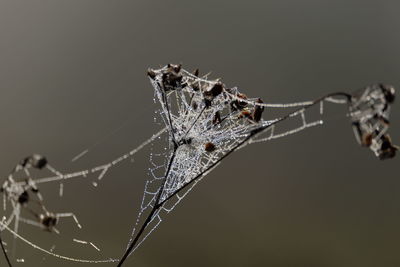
[(205, 121), (24, 203)]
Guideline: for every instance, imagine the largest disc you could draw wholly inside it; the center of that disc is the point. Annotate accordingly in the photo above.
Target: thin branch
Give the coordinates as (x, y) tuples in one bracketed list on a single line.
[(195, 121), (5, 252), (169, 116), (153, 210)]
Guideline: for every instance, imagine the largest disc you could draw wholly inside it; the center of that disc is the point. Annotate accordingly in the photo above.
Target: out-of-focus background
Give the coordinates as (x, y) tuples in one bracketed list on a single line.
[(72, 72)]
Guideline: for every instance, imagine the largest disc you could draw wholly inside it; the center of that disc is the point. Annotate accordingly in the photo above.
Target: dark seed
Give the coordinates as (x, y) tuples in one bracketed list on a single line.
[(258, 110), (216, 89), (209, 147), (151, 74), (23, 198)]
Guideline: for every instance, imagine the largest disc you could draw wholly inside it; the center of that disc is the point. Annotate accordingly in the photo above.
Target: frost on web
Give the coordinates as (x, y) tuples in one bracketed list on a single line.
[(25, 204), (26, 194), (207, 121), (204, 122)]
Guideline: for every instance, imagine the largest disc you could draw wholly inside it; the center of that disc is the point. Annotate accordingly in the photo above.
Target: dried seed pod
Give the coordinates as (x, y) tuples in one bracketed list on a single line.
[(388, 92), (48, 221), (209, 147), (195, 87), (209, 95), (172, 77), (217, 118), (34, 189), (217, 89), (23, 198), (171, 80), (151, 74), (38, 161), (174, 67), (369, 111), (207, 102), (242, 96), (187, 141), (258, 110), (245, 113), (237, 104), (34, 161), (387, 150), (366, 139)]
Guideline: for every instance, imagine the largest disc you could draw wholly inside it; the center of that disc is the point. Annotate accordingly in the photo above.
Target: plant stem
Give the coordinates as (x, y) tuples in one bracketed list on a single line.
[(5, 252)]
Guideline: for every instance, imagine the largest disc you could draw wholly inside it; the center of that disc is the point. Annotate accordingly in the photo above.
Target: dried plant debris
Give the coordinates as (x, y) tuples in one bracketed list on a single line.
[(369, 112), (24, 194), (205, 121), (21, 193)]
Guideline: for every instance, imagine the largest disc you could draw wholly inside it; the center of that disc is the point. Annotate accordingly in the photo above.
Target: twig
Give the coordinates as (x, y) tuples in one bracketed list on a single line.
[(5, 252), (153, 210)]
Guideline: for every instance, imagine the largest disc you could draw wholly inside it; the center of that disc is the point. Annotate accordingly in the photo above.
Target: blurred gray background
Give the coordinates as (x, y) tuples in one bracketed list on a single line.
[(72, 72)]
